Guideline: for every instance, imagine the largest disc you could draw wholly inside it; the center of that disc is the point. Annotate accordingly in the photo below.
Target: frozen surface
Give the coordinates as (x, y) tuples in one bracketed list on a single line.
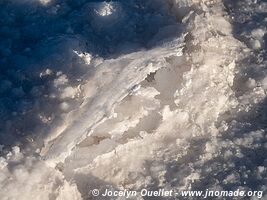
[(131, 95)]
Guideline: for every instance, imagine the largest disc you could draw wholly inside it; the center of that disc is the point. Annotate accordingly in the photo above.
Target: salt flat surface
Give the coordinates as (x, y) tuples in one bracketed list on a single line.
[(131, 95)]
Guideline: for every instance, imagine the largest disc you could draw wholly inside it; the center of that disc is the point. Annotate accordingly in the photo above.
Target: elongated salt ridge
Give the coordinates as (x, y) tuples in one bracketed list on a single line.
[(127, 72)]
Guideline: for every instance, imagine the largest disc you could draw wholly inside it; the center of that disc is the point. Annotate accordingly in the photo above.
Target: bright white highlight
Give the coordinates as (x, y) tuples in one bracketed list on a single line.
[(105, 9), (130, 96), (45, 2)]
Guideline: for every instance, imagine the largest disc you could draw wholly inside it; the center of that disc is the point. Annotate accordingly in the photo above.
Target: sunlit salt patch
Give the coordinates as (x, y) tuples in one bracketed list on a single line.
[(251, 83), (61, 80), (86, 57), (44, 2), (255, 44), (232, 178), (46, 72), (258, 33), (32, 179), (129, 113), (264, 83), (45, 119), (68, 92), (64, 106), (105, 9)]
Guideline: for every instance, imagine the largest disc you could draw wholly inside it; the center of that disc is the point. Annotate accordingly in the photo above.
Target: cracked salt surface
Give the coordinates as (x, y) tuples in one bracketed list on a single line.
[(132, 95)]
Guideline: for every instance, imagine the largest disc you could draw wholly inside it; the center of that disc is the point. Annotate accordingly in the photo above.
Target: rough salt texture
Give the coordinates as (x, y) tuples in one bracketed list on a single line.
[(93, 97)]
